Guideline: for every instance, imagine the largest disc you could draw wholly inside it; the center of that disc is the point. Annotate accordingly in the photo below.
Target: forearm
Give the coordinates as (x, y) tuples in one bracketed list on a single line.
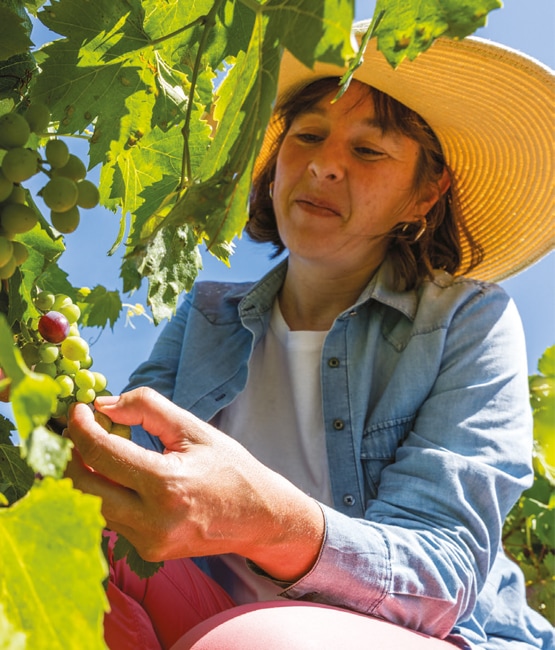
[(288, 536)]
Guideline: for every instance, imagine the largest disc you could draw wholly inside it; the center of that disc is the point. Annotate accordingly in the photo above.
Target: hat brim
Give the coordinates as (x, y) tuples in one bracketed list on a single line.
[(493, 111)]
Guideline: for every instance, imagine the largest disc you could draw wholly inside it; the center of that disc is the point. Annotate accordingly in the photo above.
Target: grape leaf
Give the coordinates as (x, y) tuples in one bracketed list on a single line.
[(546, 364), (408, 28), (143, 568), (47, 452), (167, 281), (32, 395), (52, 567), (43, 252), (16, 477), (99, 307), (313, 30), (6, 428), (14, 33), (10, 639)]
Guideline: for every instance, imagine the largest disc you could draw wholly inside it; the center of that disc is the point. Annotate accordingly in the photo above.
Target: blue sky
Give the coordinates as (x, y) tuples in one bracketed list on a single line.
[(526, 26)]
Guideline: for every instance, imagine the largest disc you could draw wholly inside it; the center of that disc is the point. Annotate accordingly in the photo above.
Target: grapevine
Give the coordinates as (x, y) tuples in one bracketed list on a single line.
[(65, 192), (51, 343)]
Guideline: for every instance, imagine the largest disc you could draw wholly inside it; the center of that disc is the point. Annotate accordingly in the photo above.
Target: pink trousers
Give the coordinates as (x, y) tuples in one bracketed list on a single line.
[(180, 608)]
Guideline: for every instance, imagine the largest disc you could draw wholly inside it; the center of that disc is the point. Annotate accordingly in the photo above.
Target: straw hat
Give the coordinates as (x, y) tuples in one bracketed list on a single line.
[(493, 110)]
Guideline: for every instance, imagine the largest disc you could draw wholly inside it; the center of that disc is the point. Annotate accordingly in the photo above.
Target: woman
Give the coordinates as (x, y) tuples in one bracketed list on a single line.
[(375, 401)]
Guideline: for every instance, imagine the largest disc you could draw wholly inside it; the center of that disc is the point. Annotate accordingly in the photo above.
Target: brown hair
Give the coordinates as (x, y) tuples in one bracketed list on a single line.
[(413, 257)]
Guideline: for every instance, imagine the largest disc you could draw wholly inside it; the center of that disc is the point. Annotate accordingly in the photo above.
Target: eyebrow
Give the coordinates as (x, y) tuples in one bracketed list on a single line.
[(367, 121)]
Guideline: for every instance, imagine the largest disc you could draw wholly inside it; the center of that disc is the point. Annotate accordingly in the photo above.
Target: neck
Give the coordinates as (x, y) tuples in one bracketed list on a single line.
[(312, 301)]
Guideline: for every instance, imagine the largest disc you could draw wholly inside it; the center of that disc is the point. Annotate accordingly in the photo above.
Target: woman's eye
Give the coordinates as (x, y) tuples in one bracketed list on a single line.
[(309, 138), (368, 152)]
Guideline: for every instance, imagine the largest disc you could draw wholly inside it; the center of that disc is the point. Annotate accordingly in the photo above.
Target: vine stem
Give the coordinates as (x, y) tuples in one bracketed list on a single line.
[(156, 41)]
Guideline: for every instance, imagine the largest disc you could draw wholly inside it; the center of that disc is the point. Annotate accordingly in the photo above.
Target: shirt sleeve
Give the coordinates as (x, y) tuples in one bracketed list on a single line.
[(428, 540)]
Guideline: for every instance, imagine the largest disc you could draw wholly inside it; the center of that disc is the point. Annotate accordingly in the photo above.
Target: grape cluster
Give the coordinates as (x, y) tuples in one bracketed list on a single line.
[(66, 191), (55, 348)]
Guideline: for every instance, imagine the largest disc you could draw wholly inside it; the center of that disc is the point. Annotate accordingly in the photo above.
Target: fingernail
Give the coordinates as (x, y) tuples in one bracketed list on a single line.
[(107, 400)]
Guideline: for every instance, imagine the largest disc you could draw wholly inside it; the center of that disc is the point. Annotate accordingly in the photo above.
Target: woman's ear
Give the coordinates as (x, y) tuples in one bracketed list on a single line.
[(434, 192)]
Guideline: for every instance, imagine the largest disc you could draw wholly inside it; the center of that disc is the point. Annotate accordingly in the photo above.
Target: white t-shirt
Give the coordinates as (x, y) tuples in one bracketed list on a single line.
[(278, 418)]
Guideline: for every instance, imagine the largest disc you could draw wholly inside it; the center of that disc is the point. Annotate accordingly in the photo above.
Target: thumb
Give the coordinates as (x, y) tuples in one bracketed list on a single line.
[(175, 427)]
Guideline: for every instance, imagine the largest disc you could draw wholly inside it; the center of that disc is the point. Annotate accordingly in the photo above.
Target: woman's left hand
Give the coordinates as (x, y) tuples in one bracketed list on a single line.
[(205, 495)]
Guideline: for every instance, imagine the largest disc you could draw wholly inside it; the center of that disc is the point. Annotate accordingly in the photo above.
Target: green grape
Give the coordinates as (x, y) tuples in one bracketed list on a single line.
[(30, 354), (20, 252), (38, 117), (75, 348), (44, 301), (6, 186), (57, 153), (88, 194), (74, 329), (46, 369), (14, 131), (17, 195), (74, 169), (65, 222), (6, 250), (87, 362), (104, 421), (8, 269), (100, 382), (71, 312), (49, 352), (66, 384), (17, 219), (61, 300), (84, 378), (19, 164), (60, 194), (121, 430), (61, 409), (67, 366), (85, 395)]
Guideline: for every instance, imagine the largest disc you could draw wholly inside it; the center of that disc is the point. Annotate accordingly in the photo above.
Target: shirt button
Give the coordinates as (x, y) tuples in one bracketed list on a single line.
[(338, 424), (333, 362), (349, 500)]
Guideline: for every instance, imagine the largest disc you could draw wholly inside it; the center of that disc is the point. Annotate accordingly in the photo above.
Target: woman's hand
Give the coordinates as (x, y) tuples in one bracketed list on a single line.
[(205, 495)]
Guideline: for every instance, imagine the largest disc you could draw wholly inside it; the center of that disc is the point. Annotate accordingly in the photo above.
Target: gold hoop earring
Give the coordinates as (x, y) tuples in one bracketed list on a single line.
[(420, 232)]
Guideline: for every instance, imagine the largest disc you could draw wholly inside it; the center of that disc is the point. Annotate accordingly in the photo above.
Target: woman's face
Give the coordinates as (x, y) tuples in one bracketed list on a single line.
[(342, 184)]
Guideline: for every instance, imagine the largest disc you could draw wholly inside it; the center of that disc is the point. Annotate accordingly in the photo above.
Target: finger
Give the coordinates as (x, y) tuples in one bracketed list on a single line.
[(118, 503), (175, 427), (116, 458)]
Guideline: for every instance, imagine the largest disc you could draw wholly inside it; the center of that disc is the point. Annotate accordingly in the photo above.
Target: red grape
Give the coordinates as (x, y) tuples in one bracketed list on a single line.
[(54, 327)]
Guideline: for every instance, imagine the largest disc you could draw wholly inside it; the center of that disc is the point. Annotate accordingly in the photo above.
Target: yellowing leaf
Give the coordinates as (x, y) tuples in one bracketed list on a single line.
[(408, 28), (52, 568)]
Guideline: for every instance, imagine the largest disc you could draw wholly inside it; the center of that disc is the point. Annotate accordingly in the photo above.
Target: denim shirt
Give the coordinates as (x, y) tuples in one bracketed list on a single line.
[(429, 443)]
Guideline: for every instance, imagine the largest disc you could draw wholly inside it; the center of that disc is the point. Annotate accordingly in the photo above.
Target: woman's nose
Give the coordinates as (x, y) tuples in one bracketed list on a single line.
[(327, 163)]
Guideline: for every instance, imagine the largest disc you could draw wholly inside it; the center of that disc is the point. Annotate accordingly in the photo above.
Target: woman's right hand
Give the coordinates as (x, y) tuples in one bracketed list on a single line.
[(205, 495)]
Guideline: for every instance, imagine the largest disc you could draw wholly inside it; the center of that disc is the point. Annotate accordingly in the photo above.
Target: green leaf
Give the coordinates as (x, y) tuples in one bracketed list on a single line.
[(47, 452), (14, 33), (546, 364), (124, 549), (32, 395), (168, 281), (325, 28), (6, 428), (16, 477), (10, 638), (100, 307), (408, 28), (52, 567)]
